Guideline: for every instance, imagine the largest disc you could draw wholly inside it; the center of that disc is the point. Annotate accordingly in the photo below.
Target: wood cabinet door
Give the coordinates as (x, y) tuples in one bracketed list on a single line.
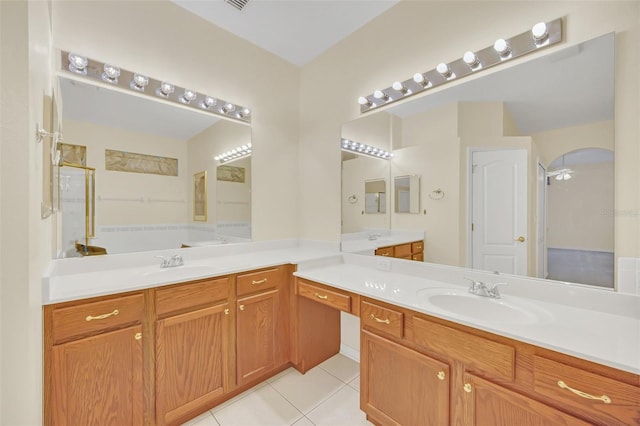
[(192, 353), (98, 380), (256, 335), (399, 386), (489, 404)]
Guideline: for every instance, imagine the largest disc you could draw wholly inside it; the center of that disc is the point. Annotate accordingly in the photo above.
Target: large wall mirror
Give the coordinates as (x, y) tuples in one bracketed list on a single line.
[(516, 167), (149, 157)]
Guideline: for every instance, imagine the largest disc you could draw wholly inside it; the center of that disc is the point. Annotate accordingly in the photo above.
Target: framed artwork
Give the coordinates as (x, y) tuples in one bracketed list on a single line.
[(200, 196)]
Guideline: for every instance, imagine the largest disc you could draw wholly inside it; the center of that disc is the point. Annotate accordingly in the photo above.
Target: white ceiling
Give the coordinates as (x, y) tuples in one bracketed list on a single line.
[(296, 30)]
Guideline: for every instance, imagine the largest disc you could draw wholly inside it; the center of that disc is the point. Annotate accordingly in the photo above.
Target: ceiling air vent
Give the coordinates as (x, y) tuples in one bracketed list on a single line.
[(238, 4)]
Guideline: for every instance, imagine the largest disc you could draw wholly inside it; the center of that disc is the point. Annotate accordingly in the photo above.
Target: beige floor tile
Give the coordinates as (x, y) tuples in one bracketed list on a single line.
[(264, 407), (342, 367), (282, 373), (204, 419), (237, 397), (341, 409), (307, 391), (355, 383), (303, 422)]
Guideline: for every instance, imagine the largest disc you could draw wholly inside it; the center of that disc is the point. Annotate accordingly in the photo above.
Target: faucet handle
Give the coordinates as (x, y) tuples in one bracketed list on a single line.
[(177, 260), (493, 289), (163, 261), (475, 284)]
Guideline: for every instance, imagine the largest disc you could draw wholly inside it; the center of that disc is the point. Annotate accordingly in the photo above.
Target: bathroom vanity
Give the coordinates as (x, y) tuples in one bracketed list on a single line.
[(141, 345)]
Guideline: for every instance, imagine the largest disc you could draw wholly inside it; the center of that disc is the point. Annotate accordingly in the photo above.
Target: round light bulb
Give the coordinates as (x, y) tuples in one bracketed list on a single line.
[(397, 86), (188, 96), (111, 71), (418, 78), (379, 94), (502, 47), (540, 32), (444, 69), (363, 101), (471, 59)]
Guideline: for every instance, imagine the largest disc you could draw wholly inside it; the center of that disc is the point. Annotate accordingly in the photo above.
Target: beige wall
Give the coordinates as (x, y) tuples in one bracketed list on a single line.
[(124, 185), (554, 143), (26, 238), (374, 57), (166, 42)]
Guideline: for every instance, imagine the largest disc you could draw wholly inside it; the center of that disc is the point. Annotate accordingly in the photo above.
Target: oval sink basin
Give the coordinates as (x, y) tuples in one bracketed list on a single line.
[(186, 271), (485, 309)]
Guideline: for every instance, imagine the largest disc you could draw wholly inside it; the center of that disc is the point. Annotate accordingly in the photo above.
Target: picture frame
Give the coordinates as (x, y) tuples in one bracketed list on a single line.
[(200, 196)]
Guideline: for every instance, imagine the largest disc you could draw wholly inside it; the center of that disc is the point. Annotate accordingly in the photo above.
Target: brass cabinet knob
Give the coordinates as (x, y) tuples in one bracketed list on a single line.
[(520, 239), (242, 307)]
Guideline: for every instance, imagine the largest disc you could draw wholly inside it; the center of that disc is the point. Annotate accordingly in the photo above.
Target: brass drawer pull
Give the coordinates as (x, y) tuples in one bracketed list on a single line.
[(376, 319), (384, 254), (440, 375), (320, 296), (262, 281), (603, 398), (467, 387), (103, 316)]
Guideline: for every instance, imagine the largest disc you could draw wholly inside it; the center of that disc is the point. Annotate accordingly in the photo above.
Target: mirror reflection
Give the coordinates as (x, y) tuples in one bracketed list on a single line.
[(406, 190), (495, 146), (375, 196), (146, 154)]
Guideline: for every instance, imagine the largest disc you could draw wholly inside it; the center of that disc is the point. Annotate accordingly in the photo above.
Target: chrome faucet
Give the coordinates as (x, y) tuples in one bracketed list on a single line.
[(485, 290), (175, 260)]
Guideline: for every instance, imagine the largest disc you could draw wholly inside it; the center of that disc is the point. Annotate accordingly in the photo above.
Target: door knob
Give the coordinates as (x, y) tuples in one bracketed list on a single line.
[(520, 239)]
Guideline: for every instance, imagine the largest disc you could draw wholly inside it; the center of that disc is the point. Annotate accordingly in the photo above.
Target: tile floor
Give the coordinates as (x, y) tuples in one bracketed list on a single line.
[(327, 395)]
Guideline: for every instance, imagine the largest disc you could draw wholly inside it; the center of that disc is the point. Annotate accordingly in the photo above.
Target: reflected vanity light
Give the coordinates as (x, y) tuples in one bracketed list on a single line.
[(234, 154), (144, 85), (78, 64), (139, 82), (364, 149), (188, 96), (110, 74), (541, 35)]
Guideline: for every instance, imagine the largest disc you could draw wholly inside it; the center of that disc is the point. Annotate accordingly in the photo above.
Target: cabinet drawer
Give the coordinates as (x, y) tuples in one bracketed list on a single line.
[(418, 257), (402, 250), (385, 251), (92, 318), (191, 295), (326, 297), (588, 394), (479, 354), (417, 247), (258, 281), (381, 318)]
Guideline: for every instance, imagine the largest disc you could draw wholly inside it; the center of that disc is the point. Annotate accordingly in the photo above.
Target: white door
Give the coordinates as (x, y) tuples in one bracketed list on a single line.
[(499, 211), (541, 250)]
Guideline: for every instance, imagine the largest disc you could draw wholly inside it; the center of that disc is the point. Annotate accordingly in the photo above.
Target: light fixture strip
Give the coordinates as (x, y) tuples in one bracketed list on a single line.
[(364, 149), (234, 154), (151, 87), (519, 45)]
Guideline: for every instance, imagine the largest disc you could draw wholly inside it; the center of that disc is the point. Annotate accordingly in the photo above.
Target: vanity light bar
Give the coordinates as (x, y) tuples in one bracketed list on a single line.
[(361, 148), (234, 154), (542, 35), (95, 70)]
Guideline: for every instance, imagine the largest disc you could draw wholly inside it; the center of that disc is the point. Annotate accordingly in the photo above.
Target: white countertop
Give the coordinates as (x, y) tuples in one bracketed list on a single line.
[(597, 325), (368, 241), (81, 278)]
